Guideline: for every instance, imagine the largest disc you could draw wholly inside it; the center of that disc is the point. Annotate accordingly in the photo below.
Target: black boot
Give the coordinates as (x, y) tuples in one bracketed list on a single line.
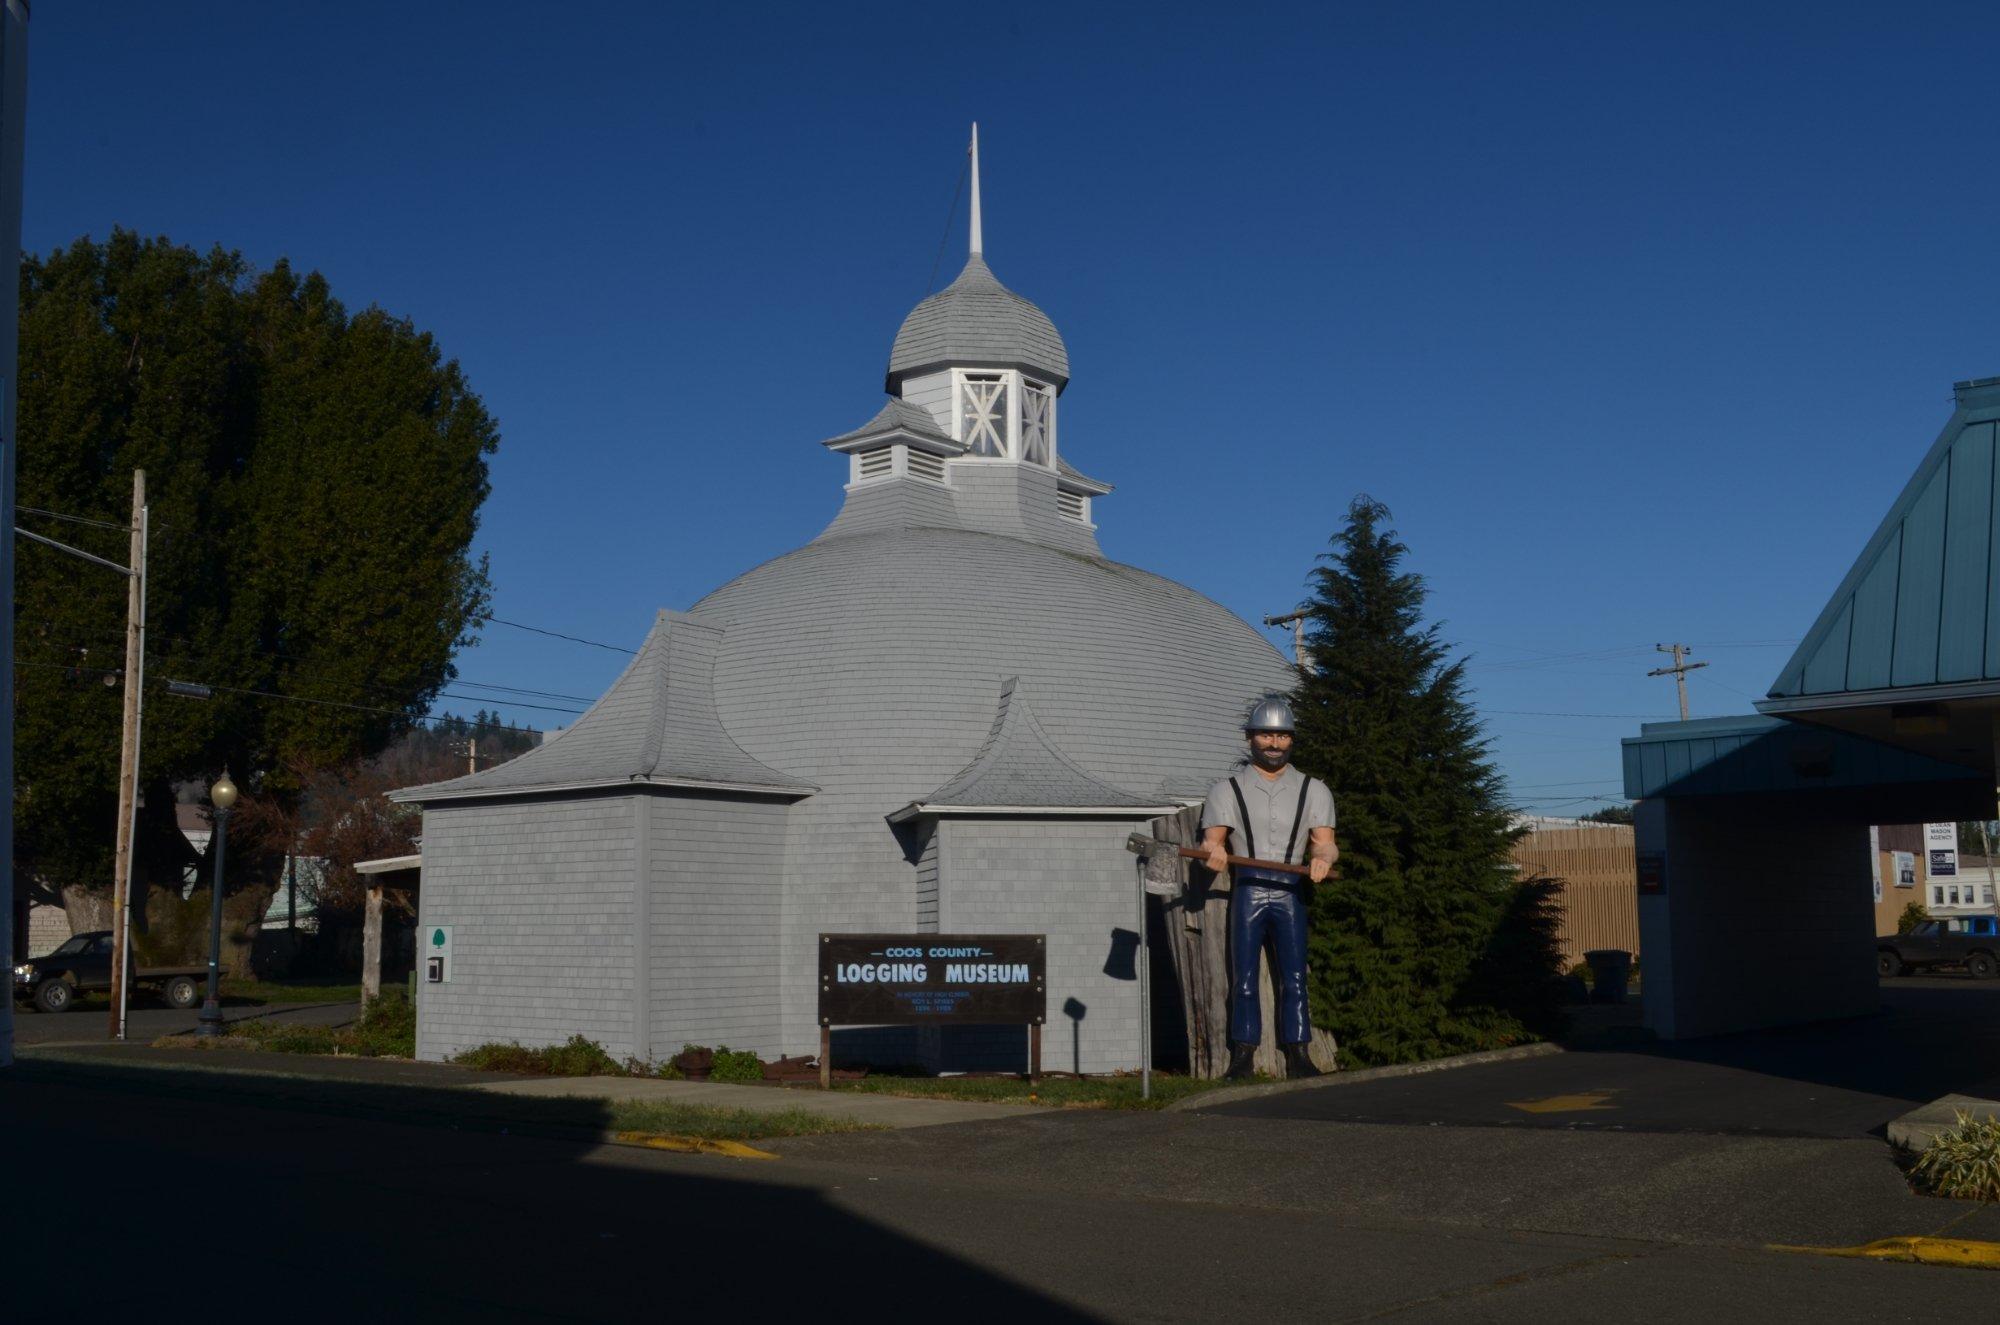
[(1298, 1063), (1239, 1062)]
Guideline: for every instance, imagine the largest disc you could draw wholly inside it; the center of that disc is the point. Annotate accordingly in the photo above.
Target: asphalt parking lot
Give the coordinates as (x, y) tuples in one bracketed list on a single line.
[(145, 1023), (1935, 1035)]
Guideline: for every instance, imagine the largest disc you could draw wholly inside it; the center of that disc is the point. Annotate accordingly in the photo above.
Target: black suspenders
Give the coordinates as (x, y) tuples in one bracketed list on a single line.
[(1250, 834)]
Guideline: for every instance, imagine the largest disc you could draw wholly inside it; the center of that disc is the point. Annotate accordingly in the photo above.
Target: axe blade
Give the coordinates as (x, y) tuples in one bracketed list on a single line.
[(1161, 862)]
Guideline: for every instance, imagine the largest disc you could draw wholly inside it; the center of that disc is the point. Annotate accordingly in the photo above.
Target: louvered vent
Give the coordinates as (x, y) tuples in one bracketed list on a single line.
[(877, 464), (1074, 506), (925, 465)]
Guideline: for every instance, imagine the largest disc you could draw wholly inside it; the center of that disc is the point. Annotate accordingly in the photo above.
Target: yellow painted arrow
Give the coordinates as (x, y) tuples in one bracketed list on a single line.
[(1582, 1102)]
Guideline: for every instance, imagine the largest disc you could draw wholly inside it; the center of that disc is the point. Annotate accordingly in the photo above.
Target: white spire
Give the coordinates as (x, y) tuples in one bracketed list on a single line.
[(978, 241)]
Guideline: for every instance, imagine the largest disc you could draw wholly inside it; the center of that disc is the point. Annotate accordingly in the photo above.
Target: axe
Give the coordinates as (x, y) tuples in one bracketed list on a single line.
[(1162, 862)]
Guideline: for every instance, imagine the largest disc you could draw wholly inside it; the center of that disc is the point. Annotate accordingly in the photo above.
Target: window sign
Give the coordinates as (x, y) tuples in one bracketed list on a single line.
[(1941, 849), (1906, 868)]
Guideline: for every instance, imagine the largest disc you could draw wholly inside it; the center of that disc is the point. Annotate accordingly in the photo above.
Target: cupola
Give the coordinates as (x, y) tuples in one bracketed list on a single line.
[(984, 363)]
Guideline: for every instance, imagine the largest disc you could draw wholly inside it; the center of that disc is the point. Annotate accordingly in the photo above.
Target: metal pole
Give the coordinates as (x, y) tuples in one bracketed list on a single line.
[(135, 662), (211, 1011), (1145, 993)]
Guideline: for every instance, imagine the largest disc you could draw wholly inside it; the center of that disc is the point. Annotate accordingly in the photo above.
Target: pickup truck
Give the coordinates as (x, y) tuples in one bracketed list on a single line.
[(1969, 941), (83, 965)]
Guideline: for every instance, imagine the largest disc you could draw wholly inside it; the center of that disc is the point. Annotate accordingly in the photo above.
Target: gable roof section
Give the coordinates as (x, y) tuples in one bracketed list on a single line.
[(1020, 769), (899, 420), (1918, 607), (657, 725)]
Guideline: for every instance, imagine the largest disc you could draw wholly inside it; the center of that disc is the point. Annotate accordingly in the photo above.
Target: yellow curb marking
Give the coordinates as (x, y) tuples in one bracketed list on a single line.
[(693, 1145), (1923, 1251), (1583, 1102)]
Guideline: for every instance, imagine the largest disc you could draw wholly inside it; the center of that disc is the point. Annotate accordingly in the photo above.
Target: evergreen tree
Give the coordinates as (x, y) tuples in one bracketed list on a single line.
[(315, 479), (1429, 943)]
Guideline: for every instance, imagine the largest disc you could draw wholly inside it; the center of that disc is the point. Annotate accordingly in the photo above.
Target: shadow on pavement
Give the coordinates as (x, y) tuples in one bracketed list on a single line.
[(1830, 1080), (324, 1200)]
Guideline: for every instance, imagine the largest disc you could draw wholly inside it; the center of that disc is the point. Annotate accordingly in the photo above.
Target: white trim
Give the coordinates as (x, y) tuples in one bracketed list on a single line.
[(797, 791), (389, 864), (916, 809)]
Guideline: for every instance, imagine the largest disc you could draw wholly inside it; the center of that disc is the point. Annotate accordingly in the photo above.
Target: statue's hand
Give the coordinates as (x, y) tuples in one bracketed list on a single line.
[(1218, 859), (1319, 869)]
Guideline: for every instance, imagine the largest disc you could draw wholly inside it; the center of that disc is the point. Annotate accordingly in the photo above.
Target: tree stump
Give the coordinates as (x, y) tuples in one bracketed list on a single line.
[(1197, 926)]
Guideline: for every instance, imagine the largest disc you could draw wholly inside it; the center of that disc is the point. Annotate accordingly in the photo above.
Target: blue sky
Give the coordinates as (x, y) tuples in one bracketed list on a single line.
[(1637, 318)]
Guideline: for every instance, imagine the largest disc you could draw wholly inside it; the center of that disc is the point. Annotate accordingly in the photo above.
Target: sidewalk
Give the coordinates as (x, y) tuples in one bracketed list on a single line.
[(868, 1109), (874, 1110)]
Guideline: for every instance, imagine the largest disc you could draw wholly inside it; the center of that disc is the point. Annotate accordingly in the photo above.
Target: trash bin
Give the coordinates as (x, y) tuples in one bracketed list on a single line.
[(1610, 971)]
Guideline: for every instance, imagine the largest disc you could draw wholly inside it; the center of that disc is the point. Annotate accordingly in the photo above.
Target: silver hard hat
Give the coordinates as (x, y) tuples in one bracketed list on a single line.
[(1272, 714)]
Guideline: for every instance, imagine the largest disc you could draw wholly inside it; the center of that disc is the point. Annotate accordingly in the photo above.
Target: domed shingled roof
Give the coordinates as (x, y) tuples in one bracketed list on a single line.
[(977, 320)]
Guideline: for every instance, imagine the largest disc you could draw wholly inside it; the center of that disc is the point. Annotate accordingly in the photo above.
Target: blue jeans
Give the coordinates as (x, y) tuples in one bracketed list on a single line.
[(1258, 910)]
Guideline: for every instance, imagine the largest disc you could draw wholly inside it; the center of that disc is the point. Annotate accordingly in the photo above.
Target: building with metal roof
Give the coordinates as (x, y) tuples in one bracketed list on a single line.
[(944, 713), (1756, 873)]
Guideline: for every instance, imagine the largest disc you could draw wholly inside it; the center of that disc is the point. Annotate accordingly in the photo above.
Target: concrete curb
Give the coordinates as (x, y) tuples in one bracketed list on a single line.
[(1955, 1252), (1915, 1130), (1234, 1094)]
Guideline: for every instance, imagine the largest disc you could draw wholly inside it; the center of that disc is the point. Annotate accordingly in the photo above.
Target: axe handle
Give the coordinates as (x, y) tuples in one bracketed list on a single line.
[(1195, 853)]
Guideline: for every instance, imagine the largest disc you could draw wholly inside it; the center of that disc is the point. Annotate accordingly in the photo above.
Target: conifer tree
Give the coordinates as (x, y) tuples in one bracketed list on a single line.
[(1428, 943)]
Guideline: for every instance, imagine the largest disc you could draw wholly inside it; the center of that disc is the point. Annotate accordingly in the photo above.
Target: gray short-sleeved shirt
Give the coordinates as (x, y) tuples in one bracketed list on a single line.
[(1273, 804)]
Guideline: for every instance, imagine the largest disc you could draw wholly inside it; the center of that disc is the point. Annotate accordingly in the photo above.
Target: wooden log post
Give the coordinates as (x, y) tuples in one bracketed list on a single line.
[(1197, 924), (371, 945)]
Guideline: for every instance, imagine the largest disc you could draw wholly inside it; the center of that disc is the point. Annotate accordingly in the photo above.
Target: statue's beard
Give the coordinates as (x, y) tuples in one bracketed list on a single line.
[(1271, 760)]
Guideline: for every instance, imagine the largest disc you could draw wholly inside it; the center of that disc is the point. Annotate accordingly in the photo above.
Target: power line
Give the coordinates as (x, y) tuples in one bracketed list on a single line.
[(300, 658), (111, 672), (557, 634), (73, 519)]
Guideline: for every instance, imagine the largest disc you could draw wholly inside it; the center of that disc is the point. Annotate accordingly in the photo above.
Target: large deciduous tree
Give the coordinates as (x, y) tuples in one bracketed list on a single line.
[(314, 478), (1429, 943)]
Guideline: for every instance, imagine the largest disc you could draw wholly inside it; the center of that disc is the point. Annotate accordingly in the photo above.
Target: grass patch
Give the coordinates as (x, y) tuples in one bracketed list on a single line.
[(1115, 1092), (289, 991), (713, 1124), (575, 1057), (1963, 1162), (387, 1029)]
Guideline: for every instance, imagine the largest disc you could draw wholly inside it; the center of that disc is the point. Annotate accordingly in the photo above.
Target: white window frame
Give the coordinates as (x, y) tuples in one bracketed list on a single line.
[(1048, 392), (899, 467), (1016, 384)]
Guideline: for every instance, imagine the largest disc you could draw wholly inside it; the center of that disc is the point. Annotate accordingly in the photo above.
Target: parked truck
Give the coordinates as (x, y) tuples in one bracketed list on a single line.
[(82, 965), (1969, 941)]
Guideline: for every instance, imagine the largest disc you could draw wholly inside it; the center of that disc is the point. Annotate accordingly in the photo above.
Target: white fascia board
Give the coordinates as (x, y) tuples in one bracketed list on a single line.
[(388, 864), (916, 441), (921, 809), (1077, 483), (416, 795)]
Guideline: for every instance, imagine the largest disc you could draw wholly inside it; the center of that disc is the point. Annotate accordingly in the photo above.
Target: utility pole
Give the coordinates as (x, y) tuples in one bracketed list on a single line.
[(1678, 671), (128, 761), (128, 758), (1297, 621), (471, 755)]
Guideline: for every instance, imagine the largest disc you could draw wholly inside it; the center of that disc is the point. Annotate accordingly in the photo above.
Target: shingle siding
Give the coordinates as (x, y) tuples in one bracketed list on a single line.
[(540, 897), (1075, 882), (718, 902)]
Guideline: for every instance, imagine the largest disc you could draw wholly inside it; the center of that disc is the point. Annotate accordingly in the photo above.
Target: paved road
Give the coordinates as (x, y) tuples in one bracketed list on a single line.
[(145, 1024), (1840, 1079), (1064, 1216)]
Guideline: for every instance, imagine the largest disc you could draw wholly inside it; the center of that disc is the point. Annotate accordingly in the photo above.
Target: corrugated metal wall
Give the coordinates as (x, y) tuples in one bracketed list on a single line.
[(1600, 884)]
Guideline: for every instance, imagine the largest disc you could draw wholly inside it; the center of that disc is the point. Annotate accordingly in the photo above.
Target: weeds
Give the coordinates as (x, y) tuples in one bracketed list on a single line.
[(1964, 1160), (575, 1057)]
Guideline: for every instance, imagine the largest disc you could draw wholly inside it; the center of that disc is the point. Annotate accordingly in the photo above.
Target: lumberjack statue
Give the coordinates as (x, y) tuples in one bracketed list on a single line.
[(1277, 814)]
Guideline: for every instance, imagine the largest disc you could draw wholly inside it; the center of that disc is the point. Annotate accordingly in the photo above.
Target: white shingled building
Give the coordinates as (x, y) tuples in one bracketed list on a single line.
[(945, 713)]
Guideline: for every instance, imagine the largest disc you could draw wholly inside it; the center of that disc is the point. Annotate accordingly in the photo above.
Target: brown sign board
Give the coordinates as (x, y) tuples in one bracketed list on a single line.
[(910, 979)]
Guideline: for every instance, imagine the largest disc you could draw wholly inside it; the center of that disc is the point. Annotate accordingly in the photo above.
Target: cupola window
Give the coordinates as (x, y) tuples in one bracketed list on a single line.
[(982, 406), (1037, 422)]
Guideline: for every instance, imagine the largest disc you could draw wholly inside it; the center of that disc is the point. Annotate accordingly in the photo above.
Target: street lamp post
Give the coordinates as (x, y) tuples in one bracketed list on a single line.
[(222, 796)]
